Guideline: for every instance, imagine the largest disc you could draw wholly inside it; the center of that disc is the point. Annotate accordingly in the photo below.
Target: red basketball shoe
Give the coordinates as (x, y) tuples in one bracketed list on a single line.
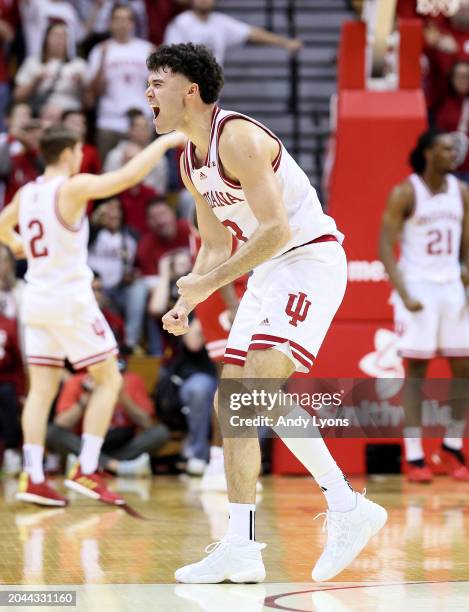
[(92, 485), (38, 493), (419, 474), (447, 461)]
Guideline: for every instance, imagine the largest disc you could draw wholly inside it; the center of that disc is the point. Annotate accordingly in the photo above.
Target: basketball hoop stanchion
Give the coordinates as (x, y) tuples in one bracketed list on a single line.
[(438, 7)]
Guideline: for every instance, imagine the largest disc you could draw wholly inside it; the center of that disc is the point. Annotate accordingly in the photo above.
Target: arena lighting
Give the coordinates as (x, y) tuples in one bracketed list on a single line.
[(436, 7)]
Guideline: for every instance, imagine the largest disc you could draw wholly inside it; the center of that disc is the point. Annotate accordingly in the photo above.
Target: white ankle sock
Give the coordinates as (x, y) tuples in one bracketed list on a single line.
[(413, 444), (242, 521), (455, 433), (454, 443), (33, 455), (339, 494), (89, 455)]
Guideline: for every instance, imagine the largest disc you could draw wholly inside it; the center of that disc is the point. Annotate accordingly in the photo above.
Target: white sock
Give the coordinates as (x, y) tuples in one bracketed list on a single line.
[(89, 455), (455, 434), (242, 521), (413, 444), (339, 494), (33, 455), (454, 443), (216, 453)]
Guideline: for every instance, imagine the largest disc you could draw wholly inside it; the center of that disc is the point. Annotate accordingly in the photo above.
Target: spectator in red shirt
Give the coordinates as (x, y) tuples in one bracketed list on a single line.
[(76, 121), (446, 42), (135, 200), (19, 150), (453, 113), (132, 436), (166, 233), (116, 323)]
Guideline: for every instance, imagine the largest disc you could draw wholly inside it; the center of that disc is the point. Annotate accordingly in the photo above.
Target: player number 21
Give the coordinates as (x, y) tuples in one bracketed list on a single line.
[(38, 248), (440, 243)]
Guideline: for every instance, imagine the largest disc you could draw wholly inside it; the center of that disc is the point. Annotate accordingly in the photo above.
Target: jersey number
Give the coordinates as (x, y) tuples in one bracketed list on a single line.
[(38, 249), (440, 243), (237, 231)]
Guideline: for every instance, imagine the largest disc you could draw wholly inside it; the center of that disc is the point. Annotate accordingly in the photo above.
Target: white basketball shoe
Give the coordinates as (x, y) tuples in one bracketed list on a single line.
[(347, 534), (232, 558)]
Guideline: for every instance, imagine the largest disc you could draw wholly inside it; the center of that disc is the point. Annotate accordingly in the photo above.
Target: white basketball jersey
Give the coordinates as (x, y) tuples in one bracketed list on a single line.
[(56, 251), (431, 237), (227, 200)]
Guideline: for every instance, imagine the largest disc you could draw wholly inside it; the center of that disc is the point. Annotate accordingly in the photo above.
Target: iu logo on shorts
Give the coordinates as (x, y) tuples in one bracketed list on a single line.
[(297, 308), (99, 328)]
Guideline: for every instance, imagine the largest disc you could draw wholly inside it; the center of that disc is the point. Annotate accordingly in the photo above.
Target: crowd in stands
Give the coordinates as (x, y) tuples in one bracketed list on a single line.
[(446, 72), (83, 63)]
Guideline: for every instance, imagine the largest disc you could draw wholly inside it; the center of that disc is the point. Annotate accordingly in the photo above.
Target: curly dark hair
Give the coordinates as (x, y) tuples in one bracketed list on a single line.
[(426, 141), (195, 62)]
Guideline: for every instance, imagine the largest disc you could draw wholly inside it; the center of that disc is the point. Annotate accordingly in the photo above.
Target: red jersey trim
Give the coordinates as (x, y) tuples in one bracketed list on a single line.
[(325, 238), (191, 145), (187, 167), (221, 125), (60, 219), (234, 360), (93, 359), (279, 340), (237, 352)]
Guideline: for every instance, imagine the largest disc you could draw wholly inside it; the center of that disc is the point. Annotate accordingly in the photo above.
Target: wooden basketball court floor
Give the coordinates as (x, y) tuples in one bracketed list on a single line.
[(116, 561)]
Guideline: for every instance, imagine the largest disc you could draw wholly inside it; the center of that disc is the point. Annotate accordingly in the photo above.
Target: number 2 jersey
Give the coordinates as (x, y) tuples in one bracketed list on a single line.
[(431, 236), (57, 253), (229, 203)]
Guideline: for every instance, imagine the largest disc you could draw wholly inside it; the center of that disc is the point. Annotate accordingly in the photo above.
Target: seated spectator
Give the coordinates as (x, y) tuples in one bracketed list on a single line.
[(52, 77), (12, 388), (112, 254), (453, 113), (114, 320), (38, 15), (188, 377), (166, 233), (9, 25), (139, 133), (117, 77), (133, 433), (19, 150), (204, 26)]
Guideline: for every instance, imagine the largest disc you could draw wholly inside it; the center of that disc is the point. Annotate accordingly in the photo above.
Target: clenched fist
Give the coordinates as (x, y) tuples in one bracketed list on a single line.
[(176, 321)]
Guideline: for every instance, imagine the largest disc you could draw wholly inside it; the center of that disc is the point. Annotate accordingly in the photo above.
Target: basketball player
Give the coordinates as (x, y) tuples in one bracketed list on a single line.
[(428, 214), (246, 184), (60, 315)]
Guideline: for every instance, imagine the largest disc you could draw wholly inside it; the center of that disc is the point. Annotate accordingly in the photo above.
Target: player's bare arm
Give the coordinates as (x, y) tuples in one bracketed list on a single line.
[(8, 221), (399, 207), (465, 234), (215, 249), (83, 187), (246, 153)]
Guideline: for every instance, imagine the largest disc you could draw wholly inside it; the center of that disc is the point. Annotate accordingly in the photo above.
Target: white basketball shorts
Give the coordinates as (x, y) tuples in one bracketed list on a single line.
[(72, 328), (440, 329), (289, 304)]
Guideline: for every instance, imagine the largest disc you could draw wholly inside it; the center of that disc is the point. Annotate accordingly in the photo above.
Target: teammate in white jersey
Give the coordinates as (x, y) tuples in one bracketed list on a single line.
[(246, 184), (60, 315), (428, 212)]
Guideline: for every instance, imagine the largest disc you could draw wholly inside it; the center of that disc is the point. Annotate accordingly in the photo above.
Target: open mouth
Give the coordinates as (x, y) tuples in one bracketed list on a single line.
[(156, 111)]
